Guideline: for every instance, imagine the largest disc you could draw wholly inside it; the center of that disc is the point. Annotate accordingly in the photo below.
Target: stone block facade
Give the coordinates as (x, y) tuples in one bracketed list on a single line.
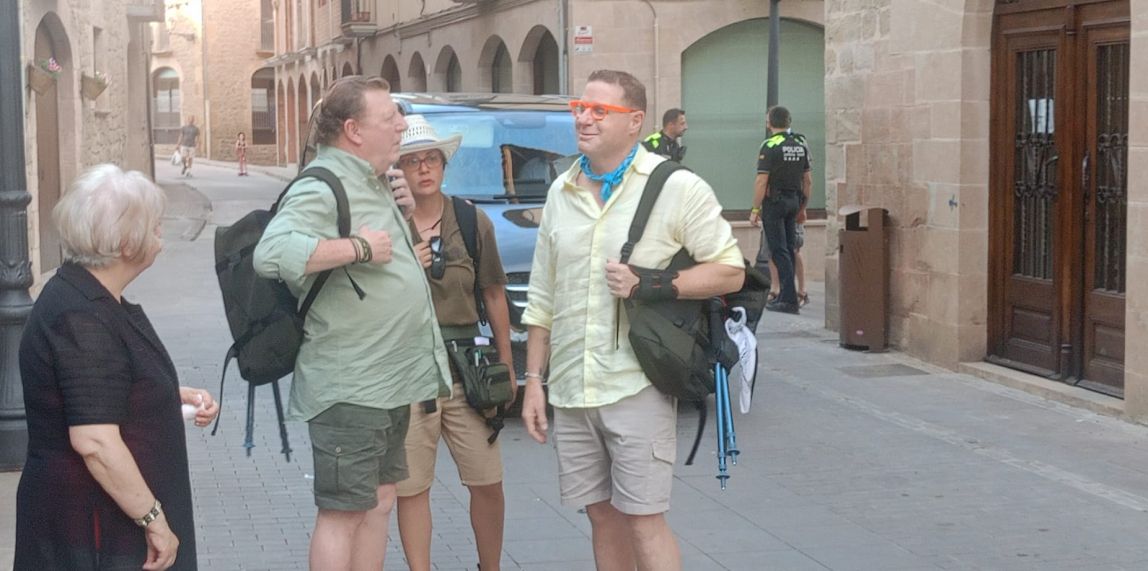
[(216, 48), (66, 131), (646, 39), (907, 99), (908, 88)]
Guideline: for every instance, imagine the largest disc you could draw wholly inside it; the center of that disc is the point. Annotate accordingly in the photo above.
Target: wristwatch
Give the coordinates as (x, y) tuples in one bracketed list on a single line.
[(151, 515)]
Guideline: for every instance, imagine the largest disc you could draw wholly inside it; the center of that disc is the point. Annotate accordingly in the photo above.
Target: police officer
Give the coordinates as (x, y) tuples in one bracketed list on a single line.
[(665, 142), (781, 191)]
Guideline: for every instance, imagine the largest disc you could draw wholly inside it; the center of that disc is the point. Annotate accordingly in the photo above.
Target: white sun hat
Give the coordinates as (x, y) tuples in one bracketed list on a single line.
[(420, 136)]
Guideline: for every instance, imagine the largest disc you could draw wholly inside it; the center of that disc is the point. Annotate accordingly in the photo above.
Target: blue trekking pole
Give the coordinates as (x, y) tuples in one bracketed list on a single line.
[(726, 441)]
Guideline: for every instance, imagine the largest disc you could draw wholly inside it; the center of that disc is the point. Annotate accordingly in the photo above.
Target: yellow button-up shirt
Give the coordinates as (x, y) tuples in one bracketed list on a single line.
[(568, 293)]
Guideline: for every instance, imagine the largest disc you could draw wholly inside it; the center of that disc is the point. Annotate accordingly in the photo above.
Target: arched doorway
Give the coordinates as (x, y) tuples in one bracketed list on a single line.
[(165, 106), (494, 67), (316, 93), (263, 107), (540, 50), (1058, 186), (417, 73), (292, 123), (390, 72), (54, 135), (348, 70), (723, 93), (447, 71), (302, 112), (281, 123)]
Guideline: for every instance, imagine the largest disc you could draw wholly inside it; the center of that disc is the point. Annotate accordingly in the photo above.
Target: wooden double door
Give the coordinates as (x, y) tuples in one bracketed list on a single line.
[(1058, 189)]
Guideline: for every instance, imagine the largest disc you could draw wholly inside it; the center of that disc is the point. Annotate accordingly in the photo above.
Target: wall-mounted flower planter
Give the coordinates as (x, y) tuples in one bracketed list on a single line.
[(92, 87), (39, 80)]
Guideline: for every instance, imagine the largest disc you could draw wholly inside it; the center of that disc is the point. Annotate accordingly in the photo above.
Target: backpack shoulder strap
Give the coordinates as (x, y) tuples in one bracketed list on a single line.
[(650, 195), (467, 216), (342, 207), (343, 220)]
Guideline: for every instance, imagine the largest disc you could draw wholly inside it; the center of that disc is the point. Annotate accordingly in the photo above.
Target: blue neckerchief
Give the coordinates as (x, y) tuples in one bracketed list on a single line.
[(610, 179)]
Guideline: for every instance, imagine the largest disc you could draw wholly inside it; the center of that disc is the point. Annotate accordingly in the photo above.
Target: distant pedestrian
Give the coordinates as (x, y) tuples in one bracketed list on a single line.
[(371, 345), (665, 142), (188, 140), (453, 276), (781, 193), (241, 152), (105, 483), (615, 434)]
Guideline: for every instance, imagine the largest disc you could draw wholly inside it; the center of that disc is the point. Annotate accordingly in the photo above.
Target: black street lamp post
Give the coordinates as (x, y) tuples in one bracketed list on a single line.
[(774, 47), (15, 268)]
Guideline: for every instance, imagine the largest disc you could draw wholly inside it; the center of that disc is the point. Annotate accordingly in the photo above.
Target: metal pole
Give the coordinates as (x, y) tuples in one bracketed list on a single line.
[(563, 54), (774, 41), (15, 268)]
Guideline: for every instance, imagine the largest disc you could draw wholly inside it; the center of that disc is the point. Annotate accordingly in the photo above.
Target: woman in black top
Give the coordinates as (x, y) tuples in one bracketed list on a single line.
[(105, 484)]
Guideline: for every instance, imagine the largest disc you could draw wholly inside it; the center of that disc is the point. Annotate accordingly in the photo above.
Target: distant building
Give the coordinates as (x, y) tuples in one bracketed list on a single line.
[(208, 60), (707, 57), (73, 118)]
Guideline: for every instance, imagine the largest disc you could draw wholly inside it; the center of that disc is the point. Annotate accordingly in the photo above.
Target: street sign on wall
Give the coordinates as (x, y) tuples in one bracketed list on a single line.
[(583, 39)]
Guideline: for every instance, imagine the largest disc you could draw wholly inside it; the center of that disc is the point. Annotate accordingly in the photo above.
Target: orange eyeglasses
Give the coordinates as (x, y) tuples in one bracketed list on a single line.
[(598, 111)]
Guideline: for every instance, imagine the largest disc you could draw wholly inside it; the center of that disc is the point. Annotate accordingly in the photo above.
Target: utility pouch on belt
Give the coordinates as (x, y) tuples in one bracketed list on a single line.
[(485, 380)]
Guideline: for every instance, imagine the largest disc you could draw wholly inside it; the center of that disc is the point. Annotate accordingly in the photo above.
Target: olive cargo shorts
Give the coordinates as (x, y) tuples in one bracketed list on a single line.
[(357, 449)]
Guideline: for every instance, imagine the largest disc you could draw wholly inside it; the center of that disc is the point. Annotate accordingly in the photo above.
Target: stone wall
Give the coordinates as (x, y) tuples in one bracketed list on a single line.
[(183, 53), (86, 37), (231, 56), (907, 90), (1136, 310)]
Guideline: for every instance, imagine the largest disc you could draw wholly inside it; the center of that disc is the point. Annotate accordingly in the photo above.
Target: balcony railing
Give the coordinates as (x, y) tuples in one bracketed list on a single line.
[(357, 18)]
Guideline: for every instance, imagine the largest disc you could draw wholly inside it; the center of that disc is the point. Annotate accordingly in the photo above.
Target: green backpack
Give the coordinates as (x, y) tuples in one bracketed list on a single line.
[(679, 342)]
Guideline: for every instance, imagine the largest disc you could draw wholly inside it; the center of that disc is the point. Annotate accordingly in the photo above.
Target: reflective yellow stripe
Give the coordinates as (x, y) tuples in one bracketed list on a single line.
[(775, 140)]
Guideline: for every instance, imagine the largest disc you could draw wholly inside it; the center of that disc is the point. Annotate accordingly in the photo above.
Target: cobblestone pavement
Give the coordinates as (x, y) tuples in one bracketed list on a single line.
[(850, 461)]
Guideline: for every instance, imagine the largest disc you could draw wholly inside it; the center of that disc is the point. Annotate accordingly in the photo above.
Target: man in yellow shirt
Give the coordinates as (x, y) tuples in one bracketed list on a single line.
[(615, 434)]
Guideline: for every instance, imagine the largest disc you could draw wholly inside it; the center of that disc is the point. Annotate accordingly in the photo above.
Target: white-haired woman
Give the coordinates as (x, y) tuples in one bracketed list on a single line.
[(105, 483)]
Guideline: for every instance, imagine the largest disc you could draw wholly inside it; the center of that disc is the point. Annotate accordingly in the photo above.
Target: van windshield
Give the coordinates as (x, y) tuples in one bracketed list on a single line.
[(506, 154)]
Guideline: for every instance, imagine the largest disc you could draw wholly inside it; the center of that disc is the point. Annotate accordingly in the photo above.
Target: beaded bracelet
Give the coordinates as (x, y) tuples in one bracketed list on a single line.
[(363, 252), (368, 255), (358, 250)]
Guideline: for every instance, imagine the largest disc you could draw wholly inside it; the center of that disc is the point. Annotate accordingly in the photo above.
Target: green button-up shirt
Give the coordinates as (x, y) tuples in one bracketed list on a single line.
[(383, 351)]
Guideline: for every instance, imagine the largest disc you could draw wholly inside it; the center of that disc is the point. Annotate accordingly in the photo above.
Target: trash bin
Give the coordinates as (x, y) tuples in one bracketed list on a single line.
[(863, 278)]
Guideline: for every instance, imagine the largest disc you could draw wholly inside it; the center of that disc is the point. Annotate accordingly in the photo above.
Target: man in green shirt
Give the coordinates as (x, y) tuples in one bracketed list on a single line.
[(365, 357)]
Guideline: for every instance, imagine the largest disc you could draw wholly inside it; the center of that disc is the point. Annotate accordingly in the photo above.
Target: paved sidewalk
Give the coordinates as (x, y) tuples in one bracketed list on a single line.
[(850, 461)]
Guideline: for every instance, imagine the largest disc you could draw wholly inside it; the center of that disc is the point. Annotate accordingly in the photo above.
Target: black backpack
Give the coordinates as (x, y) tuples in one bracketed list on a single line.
[(678, 342), (265, 318)]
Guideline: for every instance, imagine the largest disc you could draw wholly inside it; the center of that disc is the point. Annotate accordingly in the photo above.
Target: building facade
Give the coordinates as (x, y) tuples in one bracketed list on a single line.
[(708, 57), (208, 61), (86, 101), (1002, 137)]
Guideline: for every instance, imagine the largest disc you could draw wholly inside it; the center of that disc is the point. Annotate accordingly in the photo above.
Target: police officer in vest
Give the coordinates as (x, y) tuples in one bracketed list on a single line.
[(781, 191), (665, 142)]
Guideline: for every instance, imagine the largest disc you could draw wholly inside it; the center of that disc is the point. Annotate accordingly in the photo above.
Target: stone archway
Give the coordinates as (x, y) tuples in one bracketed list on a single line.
[(417, 73), (539, 55), (447, 71), (55, 133), (390, 72), (495, 72)]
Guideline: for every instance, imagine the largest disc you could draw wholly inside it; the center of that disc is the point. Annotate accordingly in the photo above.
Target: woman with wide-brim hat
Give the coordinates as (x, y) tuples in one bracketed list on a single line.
[(452, 275)]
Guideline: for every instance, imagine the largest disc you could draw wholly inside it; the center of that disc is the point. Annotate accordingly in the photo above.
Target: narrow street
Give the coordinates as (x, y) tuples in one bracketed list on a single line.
[(850, 461)]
